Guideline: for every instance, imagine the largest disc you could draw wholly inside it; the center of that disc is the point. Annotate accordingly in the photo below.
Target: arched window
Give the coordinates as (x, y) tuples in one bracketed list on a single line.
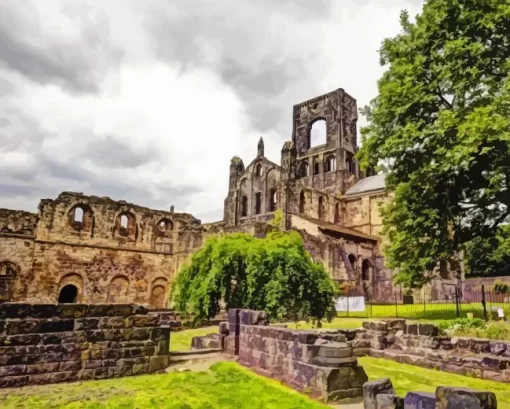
[(337, 212), (353, 261), (124, 221), (349, 163), (258, 169), (244, 206), (258, 203), (303, 170), (302, 202), (317, 135), (316, 169), (366, 270), (78, 214), (68, 294), (321, 210), (330, 164), (272, 200)]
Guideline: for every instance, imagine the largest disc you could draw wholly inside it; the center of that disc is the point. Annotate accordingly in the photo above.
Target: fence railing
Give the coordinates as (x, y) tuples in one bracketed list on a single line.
[(477, 304)]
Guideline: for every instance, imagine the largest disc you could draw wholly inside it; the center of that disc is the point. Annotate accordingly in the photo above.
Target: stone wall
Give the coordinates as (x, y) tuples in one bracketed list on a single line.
[(380, 394), (421, 345), (106, 251), (303, 359), (42, 344)]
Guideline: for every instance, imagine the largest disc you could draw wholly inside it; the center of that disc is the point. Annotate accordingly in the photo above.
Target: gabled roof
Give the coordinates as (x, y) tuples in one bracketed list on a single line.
[(343, 231), (369, 184)]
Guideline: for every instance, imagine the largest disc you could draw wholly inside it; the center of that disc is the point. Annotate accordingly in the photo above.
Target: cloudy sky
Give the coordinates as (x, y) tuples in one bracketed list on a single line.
[(147, 101)]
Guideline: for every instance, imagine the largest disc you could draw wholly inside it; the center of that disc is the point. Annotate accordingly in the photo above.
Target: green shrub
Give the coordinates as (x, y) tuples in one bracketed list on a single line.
[(498, 330)]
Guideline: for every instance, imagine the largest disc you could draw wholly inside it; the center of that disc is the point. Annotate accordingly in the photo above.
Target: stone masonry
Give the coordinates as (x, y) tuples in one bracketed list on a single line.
[(422, 345), (41, 344), (379, 394), (90, 249)]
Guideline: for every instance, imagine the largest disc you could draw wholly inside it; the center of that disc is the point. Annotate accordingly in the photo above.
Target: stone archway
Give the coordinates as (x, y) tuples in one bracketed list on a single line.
[(73, 285), (118, 290), (158, 297), (68, 294)]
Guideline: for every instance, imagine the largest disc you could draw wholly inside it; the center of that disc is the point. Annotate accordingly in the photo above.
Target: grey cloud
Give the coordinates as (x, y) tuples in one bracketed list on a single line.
[(73, 66), (110, 152), (259, 65)]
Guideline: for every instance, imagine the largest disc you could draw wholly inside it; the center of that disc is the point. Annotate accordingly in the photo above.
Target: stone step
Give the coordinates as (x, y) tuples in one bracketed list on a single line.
[(194, 352)]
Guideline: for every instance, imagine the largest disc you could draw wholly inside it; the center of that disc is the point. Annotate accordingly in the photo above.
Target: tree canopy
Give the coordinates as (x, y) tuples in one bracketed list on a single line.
[(275, 274), (440, 128)]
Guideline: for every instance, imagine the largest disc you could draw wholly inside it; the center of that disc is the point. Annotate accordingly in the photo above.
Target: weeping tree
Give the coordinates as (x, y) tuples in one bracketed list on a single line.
[(275, 274)]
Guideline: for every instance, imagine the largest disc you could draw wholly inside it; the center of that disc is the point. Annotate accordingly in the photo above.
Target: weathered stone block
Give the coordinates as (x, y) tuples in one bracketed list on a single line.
[(115, 322), (14, 381), (158, 363), (462, 398), (42, 368), (43, 311), (12, 310), (12, 370), (13, 340), (420, 400), (71, 310), (374, 388), (110, 310), (389, 401), (223, 328), (157, 334), (82, 324), (56, 325), (375, 326), (145, 320)]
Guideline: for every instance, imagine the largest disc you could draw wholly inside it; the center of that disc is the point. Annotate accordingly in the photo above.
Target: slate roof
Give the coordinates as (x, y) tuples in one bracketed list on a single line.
[(368, 184)]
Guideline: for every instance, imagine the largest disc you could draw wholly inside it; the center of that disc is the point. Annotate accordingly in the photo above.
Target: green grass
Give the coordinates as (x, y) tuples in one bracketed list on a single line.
[(225, 386), (181, 340), (407, 378)]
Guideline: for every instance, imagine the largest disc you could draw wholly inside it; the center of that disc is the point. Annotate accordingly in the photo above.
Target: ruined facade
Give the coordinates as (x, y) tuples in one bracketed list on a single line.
[(88, 249), (324, 195)]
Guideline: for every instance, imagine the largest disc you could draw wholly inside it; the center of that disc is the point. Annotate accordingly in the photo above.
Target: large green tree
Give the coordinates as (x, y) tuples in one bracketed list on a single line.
[(275, 274), (440, 128)]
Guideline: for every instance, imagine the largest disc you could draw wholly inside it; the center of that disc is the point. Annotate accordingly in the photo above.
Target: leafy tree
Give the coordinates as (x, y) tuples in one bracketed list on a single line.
[(275, 274), (440, 128), (489, 257)]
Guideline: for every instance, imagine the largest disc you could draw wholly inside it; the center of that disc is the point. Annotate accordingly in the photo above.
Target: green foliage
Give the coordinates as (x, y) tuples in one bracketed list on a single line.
[(275, 274), (277, 218), (476, 327), (440, 128), (462, 324), (489, 256)]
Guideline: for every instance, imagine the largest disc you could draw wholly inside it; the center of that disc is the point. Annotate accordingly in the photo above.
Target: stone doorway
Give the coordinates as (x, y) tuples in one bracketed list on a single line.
[(68, 294)]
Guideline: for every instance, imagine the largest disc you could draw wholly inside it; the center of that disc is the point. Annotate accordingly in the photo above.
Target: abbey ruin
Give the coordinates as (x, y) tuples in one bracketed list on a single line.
[(89, 249)]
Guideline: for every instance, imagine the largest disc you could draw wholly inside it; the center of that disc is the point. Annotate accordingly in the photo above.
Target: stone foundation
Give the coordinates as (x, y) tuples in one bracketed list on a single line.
[(42, 344), (380, 394), (421, 345)]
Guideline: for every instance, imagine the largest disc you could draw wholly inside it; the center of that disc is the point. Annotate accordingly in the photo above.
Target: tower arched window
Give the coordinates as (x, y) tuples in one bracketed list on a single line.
[(303, 170), (258, 203), (244, 206), (258, 170), (302, 199), (330, 164)]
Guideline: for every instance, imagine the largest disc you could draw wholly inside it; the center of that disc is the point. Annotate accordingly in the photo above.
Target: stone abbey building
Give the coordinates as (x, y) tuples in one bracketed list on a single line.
[(89, 249)]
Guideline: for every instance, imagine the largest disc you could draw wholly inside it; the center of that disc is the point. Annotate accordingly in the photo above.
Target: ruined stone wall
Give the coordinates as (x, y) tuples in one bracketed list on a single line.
[(105, 251), (421, 345), (302, 359), (17, 231), (41, 344), (380, 394)]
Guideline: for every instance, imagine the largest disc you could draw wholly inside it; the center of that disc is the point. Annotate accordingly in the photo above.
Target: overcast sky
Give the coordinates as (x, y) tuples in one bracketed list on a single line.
[(147, 101)]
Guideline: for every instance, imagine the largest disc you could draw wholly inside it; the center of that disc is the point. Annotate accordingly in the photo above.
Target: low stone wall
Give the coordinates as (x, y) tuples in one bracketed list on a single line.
[(302, 359), (421, 345), (42, 344), (380, 394)]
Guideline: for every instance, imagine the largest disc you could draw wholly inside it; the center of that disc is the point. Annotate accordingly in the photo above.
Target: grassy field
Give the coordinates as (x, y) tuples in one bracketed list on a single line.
[(407, 378), (225, 386)]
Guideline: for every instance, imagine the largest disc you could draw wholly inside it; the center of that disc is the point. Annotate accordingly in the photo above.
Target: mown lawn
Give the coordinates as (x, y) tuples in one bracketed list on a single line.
[(225, 386), (181, 340), (407, 378)]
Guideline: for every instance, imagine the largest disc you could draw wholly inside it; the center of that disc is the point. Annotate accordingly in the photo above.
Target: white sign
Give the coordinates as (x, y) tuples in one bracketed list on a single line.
[(354, 304), (501, 313)]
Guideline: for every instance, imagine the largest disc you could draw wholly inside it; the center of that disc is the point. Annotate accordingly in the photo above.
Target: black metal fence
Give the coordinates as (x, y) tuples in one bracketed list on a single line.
[(477, 304)]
